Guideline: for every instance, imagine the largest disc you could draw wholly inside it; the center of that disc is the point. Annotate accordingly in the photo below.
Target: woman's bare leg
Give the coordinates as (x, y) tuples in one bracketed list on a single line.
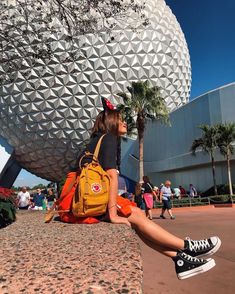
[(163, 211), (164, 250), (170, 212), (154, 232), (146, 212)]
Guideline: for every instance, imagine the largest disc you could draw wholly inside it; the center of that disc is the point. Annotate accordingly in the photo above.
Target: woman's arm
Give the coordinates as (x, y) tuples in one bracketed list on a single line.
[(112, 204), (113, 192)]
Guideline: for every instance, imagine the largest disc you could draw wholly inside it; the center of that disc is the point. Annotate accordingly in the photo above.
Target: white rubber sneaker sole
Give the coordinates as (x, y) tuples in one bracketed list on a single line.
[(196, 271), (213, 250)]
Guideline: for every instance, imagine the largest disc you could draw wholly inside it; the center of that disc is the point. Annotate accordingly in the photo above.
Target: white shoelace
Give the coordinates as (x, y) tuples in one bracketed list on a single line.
[(191, 258), (198, 245)]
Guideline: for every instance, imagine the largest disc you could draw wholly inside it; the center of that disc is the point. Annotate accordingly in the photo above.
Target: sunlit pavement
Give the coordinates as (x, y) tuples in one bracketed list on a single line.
[(197, 223)]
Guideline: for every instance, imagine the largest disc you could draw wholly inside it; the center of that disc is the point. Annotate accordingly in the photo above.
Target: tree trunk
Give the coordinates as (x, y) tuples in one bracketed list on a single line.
[(229, 175), (141, 157), (140, 128), (213, 174)]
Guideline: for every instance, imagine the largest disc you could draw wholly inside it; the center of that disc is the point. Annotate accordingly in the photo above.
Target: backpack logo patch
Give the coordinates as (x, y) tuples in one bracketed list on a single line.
[(96, 188)]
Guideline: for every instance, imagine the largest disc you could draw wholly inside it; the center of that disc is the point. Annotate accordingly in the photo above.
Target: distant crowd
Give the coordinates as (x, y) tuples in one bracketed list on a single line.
[(37, 200), (145, 195)]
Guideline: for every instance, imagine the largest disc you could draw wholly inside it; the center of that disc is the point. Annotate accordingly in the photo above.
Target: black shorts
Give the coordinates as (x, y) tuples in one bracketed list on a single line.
[(25, 207), (166, 204)]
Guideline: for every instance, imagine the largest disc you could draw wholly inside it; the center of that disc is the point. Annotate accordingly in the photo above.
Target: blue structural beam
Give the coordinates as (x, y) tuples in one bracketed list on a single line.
[(9, 167)]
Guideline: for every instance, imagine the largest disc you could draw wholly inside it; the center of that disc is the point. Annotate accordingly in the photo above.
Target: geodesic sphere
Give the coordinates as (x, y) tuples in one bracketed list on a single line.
[(47, 109)]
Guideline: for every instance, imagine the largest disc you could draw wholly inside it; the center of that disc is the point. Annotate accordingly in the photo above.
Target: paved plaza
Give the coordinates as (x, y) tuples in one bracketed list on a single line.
[(159, 274), (63, 258)]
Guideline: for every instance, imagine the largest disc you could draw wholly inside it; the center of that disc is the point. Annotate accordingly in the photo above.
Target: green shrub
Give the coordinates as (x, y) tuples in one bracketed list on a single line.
[(7, 213), (220, 199), (185, 202), (222, 190), (7, 207)]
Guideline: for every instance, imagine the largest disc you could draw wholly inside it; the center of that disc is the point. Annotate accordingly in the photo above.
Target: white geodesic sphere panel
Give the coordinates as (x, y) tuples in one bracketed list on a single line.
[(46, 110)]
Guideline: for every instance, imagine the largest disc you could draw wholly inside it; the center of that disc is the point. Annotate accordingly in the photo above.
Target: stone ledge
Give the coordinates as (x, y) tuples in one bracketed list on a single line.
[(65, 258)]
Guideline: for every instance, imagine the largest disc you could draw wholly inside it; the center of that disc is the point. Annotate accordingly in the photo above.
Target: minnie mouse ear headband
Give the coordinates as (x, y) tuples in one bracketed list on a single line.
[(107, 104)]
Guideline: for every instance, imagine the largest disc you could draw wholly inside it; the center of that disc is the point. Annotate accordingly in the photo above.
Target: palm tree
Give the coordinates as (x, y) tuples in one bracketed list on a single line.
[(208, 143), (225, 140), (141, 103)]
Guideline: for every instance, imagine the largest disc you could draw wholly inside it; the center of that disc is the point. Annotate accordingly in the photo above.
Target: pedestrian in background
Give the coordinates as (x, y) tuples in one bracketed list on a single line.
[(148, 194), (165, 197), (38, 200), (23, 198), (51, 198), (139, 197), (192, 191)]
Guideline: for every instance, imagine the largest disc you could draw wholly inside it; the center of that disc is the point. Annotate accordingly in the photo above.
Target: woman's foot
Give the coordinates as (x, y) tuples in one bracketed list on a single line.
[(187, 266), (202, 247), (162, 216)]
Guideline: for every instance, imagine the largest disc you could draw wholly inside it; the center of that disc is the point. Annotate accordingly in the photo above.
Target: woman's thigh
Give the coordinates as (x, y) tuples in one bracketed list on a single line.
[(137, 215)]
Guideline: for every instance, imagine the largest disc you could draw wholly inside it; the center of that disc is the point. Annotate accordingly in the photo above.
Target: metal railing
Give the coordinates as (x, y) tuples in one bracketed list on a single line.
[(198, 201)]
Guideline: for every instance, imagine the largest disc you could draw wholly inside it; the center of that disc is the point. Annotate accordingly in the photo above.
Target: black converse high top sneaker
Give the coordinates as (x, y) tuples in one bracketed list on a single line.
[(202, 247), (187, 266)]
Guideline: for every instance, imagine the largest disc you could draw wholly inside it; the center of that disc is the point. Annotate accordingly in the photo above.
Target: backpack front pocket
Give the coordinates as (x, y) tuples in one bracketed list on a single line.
[(95, 204)]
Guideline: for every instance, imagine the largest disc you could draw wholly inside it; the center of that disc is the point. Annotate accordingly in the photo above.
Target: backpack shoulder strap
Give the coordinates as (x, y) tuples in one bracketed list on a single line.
[(97, 148), (150, 186)]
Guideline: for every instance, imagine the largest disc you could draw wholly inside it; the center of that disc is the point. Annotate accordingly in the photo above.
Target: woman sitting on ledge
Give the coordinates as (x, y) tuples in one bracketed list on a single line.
[(184, 253)]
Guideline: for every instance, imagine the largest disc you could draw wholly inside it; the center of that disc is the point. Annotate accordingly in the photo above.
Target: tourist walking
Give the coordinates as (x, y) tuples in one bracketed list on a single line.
[(148, 194), (165, 198)]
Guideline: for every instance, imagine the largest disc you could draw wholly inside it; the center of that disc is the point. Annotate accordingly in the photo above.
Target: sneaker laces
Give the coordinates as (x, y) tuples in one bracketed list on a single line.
[(198, 245), (191, 258)]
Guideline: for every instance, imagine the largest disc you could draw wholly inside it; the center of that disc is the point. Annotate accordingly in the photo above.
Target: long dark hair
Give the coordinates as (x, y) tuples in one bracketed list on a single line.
[(106, 122), (146, 179)]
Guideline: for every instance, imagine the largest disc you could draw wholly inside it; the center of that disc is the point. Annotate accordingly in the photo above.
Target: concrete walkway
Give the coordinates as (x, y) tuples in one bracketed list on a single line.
[(159, 273)]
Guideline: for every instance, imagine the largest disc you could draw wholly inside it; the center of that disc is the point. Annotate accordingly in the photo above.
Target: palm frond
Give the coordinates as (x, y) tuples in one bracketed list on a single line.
[(197, 143), (144, 100), (226, 137)]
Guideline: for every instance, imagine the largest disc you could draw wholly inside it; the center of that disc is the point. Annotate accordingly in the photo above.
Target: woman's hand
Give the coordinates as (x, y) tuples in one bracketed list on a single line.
[(119, 220)]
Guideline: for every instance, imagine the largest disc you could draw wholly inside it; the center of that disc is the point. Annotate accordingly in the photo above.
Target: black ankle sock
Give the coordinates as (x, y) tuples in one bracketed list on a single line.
[(174, 257), (186, 245)]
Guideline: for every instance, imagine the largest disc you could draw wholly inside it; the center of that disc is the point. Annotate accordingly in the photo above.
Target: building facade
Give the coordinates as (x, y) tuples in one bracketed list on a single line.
[(167, 148)]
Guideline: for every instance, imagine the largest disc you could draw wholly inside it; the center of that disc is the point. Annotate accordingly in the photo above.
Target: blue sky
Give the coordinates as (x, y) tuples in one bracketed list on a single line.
[(27, 179), (209, 28)]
